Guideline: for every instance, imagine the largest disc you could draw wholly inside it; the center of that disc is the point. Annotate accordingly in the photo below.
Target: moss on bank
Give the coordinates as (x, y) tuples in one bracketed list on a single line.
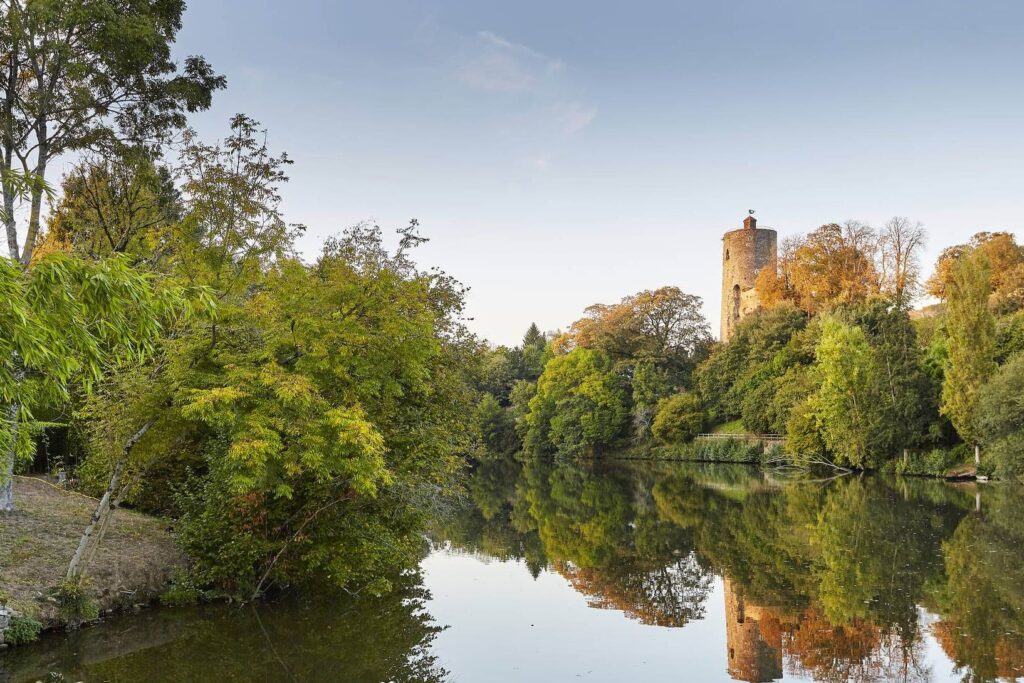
[(135, 561)]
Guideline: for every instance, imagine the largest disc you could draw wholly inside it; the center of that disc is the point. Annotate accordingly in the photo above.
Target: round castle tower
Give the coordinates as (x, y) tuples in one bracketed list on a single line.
[(744, 253)]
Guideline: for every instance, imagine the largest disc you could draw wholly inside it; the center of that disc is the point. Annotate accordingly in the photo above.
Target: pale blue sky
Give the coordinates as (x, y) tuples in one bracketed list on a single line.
[(564, 153)]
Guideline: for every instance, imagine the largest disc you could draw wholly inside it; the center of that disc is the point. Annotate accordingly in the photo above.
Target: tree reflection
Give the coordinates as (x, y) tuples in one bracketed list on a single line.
[(364, 640), (828, 579)]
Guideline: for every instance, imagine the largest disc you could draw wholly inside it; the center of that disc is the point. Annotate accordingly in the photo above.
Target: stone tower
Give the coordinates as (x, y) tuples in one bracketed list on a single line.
[(755, 647), (744, 253)]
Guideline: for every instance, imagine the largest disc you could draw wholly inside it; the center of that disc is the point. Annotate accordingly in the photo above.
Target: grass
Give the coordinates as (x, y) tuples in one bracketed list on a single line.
[(134, 562), (734, 427)]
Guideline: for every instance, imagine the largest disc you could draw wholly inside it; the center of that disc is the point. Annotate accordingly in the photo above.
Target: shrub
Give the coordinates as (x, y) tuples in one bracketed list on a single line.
[(729, 450), (933, 463), (182, 592), (75, 604), (22, 630), (717, 450), (679, 419)]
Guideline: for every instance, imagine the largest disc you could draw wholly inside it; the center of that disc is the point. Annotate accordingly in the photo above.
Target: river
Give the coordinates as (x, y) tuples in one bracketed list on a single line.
[(628, 571)]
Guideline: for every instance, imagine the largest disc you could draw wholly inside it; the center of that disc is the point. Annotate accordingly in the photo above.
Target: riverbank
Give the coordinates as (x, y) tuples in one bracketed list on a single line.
[(950, 464), (132, 566)]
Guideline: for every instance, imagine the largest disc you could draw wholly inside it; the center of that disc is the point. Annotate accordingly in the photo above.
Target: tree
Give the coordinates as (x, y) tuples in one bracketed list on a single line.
[(844, 264), (113, 205), (834, 264), (233, 227), (497, 426), (66, 321), (532, 355), (900, 246), (579, 406), (971, 343), (336, 405), (679, 419), (1001, 418), (650, 385), (1006, 268), (91, 75), (763, 346), (906, 394), (664, 325), (845, 402)]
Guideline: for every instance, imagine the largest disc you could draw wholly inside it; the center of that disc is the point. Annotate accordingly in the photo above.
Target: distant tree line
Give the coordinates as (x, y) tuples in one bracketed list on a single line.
[(836, 360)]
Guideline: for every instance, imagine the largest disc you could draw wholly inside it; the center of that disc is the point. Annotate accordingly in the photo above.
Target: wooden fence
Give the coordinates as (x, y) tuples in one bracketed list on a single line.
[(766, 439)]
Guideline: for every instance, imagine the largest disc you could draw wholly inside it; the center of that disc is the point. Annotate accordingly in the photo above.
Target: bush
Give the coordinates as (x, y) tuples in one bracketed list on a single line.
[(718, 450), (75, 604), (679, 419), (181, 593), (933, 463), (22, 630)]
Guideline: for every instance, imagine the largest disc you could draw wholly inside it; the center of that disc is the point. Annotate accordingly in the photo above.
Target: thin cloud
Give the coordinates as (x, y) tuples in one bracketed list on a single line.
[(498, 64), (572, 117), (539, 108)]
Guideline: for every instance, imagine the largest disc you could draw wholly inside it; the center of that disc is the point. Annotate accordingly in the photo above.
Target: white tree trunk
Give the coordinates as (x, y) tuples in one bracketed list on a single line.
[(100, 515), (7, 468), (977, 455)]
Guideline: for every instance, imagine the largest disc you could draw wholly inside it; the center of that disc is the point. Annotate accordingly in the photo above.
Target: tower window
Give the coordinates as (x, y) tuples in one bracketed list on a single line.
[(726, 254), (735, 302)]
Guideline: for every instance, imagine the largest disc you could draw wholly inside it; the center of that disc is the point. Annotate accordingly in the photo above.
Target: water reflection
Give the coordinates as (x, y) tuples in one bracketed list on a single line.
[(368, 640), (845, 580), (720, 572)]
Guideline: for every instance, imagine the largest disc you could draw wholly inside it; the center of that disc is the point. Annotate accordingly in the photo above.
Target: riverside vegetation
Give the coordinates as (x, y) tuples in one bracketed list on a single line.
[(296, 421), (836, 361)]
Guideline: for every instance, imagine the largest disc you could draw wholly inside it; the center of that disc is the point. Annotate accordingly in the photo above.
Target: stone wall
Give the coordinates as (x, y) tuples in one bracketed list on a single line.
[(744, 253), (5, 620)]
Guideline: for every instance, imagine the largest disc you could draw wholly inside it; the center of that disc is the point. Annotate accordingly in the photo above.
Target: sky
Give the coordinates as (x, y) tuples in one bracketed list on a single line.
[(564, 153)]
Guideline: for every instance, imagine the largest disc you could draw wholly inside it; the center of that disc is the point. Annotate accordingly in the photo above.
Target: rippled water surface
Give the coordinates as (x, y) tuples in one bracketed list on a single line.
[(630, 571)]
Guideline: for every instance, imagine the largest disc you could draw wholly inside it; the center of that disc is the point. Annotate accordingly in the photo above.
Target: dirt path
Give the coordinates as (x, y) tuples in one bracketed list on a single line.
[(134, 562)]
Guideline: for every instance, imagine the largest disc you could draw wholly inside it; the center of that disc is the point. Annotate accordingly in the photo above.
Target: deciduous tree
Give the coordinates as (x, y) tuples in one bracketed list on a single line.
[(87, 75), (971, 342)]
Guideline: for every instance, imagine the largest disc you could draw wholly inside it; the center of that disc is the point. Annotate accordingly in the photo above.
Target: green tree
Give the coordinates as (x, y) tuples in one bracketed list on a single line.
[(970, 328), (65, 322), (650, 384), (1001, 418), (679, 419), (664, 325), (113, 204), (846, 401), (763, 346), (87, 75), (579, 406), (333, 430), (497, 426)]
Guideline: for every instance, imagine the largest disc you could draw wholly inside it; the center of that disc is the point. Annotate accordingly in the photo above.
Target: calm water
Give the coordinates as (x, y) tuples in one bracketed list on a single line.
[(631, 572)]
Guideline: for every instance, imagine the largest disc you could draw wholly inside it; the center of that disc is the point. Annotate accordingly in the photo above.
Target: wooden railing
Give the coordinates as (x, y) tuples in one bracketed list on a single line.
[(744, 436)]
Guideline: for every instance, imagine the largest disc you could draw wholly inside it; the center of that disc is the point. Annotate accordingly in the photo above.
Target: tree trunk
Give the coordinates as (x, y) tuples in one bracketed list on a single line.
[(10, 88), (7, 471), (99, 516), (977, 455), (37, 199)]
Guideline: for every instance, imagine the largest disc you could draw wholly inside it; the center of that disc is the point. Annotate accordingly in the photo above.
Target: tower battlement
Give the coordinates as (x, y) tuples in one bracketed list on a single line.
[(745, 252)]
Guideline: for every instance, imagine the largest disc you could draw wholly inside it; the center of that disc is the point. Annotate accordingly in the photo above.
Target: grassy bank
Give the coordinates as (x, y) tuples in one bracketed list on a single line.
[(132, 565), (939, 463)]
